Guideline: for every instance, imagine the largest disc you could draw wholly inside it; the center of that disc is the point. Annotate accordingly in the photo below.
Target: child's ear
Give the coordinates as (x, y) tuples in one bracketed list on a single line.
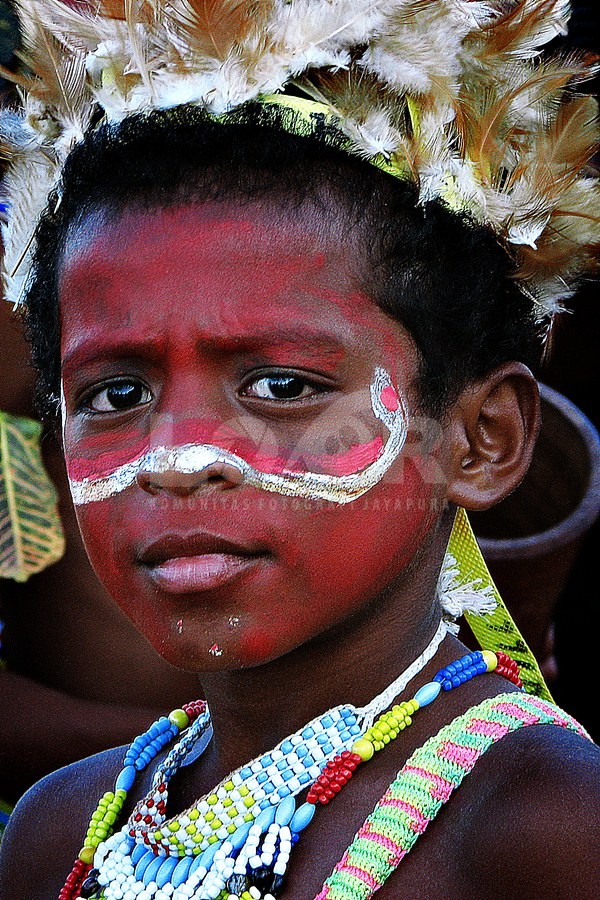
[(493, 426)]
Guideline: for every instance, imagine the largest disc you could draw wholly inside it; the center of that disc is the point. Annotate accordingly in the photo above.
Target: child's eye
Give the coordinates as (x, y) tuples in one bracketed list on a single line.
[(118, 395), (282, 387)]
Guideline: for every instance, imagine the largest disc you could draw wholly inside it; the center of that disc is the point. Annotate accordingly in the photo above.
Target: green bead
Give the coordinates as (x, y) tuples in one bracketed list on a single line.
[(180, 718)]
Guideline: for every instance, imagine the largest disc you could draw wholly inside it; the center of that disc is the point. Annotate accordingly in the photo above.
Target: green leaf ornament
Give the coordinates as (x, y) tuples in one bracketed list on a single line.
[(31, 535)]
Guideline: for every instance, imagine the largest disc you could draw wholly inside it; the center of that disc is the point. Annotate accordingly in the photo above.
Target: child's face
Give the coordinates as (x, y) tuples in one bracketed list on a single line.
[(203, 327)]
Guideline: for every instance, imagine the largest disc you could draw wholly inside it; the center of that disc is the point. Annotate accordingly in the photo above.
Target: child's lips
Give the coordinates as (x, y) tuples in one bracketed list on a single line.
[(201, 562), (188, 574)]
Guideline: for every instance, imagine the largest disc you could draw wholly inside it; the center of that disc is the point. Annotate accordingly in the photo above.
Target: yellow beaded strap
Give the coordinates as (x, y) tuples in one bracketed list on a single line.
[(495, 630)]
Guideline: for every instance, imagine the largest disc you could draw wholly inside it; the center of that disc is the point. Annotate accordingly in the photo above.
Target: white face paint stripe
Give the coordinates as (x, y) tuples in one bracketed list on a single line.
[(195, 458)]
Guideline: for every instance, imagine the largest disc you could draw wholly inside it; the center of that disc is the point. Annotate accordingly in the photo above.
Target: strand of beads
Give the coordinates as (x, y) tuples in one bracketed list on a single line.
[(270, 875), (249, 859), (82, 880)]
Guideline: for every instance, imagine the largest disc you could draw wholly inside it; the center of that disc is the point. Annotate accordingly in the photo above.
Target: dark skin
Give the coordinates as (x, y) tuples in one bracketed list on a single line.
[(515, 827)]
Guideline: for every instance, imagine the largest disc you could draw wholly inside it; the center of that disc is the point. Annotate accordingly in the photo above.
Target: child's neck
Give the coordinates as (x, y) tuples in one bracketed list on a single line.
[(255, 708)]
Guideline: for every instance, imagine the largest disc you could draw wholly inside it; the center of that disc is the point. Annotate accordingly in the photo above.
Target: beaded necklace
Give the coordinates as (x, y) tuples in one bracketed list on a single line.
[(235, 843)]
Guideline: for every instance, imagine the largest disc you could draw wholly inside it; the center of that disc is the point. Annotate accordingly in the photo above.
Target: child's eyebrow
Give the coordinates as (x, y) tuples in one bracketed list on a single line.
[(275, 343)]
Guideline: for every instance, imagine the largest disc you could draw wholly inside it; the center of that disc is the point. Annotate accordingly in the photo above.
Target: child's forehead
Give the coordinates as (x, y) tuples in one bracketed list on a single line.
[(250, 269)]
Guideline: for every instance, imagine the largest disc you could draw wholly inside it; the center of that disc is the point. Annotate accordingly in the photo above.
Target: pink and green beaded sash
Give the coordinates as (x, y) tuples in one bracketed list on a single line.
[(424, 784)]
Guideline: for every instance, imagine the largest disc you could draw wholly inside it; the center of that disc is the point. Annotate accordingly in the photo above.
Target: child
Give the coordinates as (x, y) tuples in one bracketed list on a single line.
[(280, 371)]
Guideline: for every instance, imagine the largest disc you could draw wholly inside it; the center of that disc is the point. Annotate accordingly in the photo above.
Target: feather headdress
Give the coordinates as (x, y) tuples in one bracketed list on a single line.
[(453, 94)]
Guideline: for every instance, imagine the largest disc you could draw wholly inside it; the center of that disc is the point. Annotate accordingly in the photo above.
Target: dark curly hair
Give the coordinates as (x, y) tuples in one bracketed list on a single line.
[(445, 278)]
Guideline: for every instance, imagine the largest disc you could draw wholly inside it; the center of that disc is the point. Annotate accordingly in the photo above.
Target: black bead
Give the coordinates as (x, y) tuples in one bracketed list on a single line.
[(277, 885), (237, 884), (261, 877), (90, 886)]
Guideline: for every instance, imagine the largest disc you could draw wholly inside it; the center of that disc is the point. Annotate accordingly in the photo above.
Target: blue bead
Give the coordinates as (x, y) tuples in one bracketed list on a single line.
[(283, 790), (285, 810), (153, 731), (143, 864), (308, 760), (125, 779), (304, 778), (266, 760), (428, 693), (295, 838), (264, 803), (326, 721), (268, 787), (246, 772), (238, 838), (181, 871), (266, 818), (287, 775), (262, 777), (327, 748), (481, 668), (321, 739), (451, 668), (463, 677), (166, 870), (308, 732), (302, 817), (354, 730), (350, 719), (137, 853), (456, 681), (151, 871), (301, 751), (447, 685), (440, 676), (287, 747), (282, 764), (345, 734), (477, 656), (205, 859)]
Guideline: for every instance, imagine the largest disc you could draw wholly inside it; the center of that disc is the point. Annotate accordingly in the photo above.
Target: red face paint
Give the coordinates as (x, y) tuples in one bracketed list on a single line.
[(196, 304)]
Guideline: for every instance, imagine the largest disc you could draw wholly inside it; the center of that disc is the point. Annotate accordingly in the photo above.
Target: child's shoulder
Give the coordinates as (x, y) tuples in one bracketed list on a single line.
[(532, 816), (46, 830)]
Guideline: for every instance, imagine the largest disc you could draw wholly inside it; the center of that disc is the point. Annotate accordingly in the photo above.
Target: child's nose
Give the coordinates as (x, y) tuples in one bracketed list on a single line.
[(219, 474)]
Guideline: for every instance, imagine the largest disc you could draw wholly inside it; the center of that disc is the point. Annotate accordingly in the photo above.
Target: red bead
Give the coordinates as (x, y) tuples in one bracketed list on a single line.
[(335, 787), (345, 754), (148, 820), (324, 800), (328, 793)]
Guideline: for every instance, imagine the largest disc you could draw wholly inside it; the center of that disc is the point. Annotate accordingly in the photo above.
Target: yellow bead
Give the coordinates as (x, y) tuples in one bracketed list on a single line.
[(209, 816), (227, 802), (172, 826), (229, 785), (490, 659), (180, 718), (392, 722), (216, 823), (86, 855), (212, 838), (244, 790), (231, 828), (194, 814), (363, 748), (191, 828), (232, 812), (384, 727), (248, 817), (248, 802), (376, 734)]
